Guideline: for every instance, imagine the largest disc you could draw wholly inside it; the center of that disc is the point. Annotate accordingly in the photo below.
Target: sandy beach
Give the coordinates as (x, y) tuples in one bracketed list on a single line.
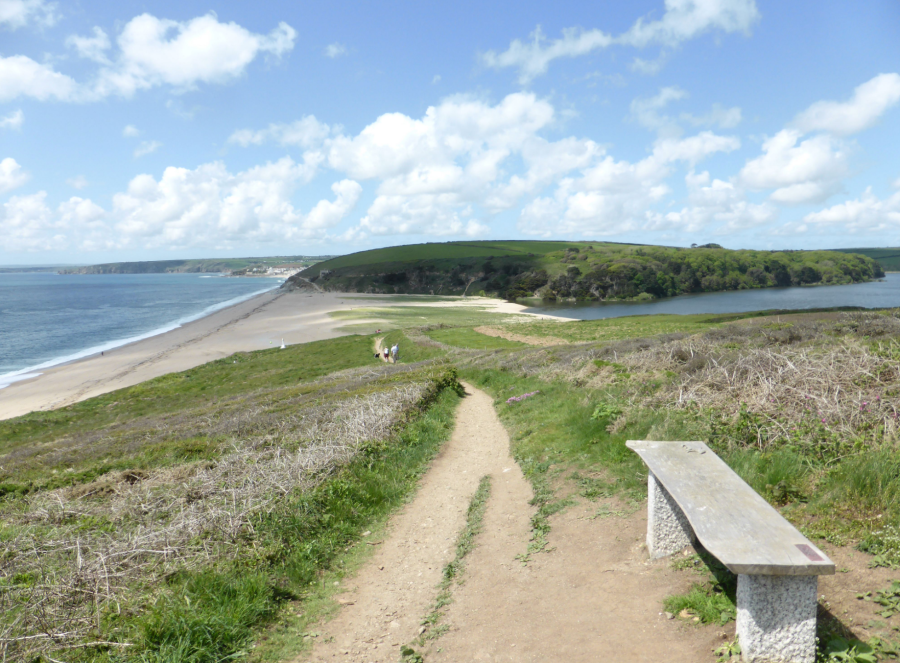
[(256, 324)]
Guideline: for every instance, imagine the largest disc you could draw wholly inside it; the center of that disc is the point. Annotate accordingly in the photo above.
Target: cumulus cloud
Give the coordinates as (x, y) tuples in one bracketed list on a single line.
[(867, 213), (91, 48), (20, 76), (211, 207), (682, 20), (12, 121), (868, 103), (15, 14), (306, 132), (27, 224), (146, 147), (432, 172), (807, 172), (131, 131), (11, 175), (151, 52), (158, 51), (335, 50), (613, 197)]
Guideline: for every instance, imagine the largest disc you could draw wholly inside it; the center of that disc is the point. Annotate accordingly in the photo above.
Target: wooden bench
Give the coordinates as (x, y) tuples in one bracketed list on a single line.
[(693, 496)]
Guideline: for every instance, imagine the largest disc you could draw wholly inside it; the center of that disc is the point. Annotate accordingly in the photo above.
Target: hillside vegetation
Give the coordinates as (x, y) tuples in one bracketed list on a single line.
[(214, 265), (209, 515), (581, 270), (888, 258)]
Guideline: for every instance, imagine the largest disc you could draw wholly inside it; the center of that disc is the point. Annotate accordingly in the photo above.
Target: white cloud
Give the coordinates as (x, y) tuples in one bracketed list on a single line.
[(649, 67), (131, 131), (156, 51), (613, 197), (306, 132), (686, 19), (91, 48), (867, 213), (78, 182), (214, 208), (869, 102), (335, 50), (20, 76), (806, 173), (533, 58), (146, 147), (27, 224), (12, 121), (11, 175), (436, 79), (682, 20), (18, 13), (646, 112)]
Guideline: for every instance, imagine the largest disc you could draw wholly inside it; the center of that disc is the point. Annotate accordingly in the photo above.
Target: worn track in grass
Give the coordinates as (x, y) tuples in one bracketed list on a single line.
[(592, 597)]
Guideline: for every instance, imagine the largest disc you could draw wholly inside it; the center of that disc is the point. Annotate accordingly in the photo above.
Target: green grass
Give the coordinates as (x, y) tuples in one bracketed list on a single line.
[(214, 614), (410, 351), (402, 317), (615, 329), (462, 337)]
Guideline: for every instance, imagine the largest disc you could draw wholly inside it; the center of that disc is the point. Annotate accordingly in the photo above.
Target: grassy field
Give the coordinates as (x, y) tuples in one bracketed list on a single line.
[(184, 514), (256, 474)]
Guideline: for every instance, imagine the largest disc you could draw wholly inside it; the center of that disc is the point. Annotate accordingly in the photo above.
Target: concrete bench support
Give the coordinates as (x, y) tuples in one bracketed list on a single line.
[(693, 496), (776, 618), (668, 529)]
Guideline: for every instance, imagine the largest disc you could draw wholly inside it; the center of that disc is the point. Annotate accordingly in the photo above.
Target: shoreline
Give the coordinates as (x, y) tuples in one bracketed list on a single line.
[(258, 322)]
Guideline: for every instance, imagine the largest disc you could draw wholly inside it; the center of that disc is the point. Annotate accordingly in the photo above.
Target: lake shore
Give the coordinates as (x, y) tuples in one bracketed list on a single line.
[(255, 324)]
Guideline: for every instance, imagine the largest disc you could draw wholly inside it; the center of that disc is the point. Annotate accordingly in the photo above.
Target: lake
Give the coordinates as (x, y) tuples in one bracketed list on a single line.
[(877, 294)]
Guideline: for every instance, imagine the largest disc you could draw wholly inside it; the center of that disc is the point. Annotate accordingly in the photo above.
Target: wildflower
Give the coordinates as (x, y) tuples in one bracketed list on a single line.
[(516, 399)]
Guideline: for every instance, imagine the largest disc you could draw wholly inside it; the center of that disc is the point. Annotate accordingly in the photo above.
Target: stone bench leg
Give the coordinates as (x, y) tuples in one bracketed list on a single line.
[(668, 529), (776, 618)]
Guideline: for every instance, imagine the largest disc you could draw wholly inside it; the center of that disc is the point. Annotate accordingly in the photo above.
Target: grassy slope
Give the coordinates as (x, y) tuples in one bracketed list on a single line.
[(888, 258), (585, 270)]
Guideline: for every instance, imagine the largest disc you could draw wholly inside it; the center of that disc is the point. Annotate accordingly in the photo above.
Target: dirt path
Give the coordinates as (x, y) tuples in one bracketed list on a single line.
[(592, 597), (386, 602)]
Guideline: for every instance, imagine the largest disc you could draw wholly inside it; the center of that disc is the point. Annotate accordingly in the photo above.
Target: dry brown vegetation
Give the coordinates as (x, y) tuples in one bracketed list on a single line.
[(75, 553)]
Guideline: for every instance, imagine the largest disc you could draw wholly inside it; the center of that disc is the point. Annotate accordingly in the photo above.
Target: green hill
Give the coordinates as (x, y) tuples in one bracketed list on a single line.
[(193, 265), (581, 270), (888, 258)]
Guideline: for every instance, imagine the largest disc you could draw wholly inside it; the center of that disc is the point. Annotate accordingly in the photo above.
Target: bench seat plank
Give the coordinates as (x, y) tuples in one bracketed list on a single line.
[(730, 519)]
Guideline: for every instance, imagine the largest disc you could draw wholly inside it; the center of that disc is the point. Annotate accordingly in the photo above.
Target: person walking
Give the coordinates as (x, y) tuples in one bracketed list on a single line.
[(386, 353), (395, 353)]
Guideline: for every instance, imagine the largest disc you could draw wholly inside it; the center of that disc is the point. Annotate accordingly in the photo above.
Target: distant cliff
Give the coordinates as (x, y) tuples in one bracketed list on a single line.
[(209, 265)]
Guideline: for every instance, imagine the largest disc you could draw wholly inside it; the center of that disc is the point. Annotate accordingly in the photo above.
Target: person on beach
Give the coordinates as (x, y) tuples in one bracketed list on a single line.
[(395, 353)]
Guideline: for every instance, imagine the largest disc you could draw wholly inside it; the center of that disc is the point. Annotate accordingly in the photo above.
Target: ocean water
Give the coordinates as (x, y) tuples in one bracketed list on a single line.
[(48, 319), (876, 294)]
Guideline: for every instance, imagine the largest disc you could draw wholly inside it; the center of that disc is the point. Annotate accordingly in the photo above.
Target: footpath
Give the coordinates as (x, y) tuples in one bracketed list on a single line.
[(592, 596)]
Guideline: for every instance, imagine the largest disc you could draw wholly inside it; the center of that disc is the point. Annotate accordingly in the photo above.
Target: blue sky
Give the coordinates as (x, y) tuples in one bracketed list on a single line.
[(133, 130)]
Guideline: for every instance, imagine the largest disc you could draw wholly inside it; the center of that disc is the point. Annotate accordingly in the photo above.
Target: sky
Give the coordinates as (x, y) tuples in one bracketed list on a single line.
[(142, 131)]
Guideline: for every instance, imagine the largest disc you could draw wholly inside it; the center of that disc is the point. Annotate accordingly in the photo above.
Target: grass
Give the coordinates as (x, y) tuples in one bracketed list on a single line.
[(453, 570), (210, 616), (462, 337), (410, 351), (615, 329), (404, 317), (95, 436)]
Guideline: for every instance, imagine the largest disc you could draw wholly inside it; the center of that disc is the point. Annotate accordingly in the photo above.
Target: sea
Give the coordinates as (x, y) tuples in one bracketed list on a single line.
[(48, 319)]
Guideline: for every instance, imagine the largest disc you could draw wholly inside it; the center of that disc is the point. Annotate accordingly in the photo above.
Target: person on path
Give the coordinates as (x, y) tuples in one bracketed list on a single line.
[(385, 354), (395, 353)]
